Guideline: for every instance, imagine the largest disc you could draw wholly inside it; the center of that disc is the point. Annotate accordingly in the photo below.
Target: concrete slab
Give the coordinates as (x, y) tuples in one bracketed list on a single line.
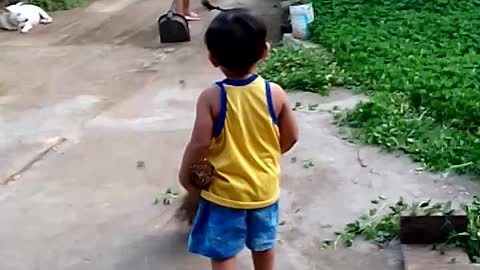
[(93, 206), (419, 257), (69, 85)]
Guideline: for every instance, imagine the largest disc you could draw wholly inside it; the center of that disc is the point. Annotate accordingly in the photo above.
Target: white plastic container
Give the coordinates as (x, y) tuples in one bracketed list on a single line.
[(301, 16)]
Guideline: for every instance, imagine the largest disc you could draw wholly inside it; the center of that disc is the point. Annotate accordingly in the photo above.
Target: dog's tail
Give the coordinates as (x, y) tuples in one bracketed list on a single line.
[(209, 6)]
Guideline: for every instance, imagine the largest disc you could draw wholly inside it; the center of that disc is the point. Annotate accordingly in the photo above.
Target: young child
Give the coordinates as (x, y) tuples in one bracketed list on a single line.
[(243, 125)]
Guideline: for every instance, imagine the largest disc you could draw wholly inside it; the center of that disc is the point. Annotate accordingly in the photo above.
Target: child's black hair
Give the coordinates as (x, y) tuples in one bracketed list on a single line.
[(236, 40)]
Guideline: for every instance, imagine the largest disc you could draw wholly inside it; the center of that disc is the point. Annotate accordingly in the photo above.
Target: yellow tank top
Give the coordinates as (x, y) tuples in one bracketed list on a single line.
[(245, 147)]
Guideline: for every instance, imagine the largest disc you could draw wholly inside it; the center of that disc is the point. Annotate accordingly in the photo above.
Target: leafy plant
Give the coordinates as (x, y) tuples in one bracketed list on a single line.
[(419, 59), (303, 69), (469, 240), (52, 5), (382, 227)]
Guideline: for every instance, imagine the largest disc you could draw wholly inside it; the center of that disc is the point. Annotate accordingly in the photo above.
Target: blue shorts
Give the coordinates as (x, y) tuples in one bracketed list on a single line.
[(220, 233)]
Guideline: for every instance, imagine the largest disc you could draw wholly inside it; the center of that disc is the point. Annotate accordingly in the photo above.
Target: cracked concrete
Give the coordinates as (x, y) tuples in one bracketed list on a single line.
[(119, 97)]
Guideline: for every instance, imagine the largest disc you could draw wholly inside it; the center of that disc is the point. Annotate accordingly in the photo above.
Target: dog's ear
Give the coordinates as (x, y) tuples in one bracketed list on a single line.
[(4, 9), (19, 3)]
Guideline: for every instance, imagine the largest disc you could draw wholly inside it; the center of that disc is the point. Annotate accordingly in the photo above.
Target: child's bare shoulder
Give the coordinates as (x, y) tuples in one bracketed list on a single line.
[(278, 91), (279, 96), (211, 92), (210, 97)]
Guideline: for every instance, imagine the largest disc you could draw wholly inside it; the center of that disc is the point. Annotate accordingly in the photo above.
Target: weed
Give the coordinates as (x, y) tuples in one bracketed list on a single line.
[(469, 240), (381, 226)]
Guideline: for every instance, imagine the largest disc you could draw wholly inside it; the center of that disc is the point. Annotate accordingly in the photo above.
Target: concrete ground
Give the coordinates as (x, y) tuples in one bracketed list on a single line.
[(98, 77)]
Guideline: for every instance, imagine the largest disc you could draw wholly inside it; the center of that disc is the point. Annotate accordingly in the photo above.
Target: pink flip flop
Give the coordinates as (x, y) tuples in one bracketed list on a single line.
[(192, 17)]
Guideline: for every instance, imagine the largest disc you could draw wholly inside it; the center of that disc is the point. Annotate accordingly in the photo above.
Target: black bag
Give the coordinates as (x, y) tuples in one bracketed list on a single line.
[(173, 27)]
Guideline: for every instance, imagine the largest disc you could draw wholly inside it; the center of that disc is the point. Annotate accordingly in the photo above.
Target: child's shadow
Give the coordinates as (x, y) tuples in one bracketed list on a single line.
[(165, 250)]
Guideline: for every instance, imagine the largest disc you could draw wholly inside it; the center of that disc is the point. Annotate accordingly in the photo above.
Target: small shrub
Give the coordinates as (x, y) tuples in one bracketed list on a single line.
[(52, 5), (302, 69)]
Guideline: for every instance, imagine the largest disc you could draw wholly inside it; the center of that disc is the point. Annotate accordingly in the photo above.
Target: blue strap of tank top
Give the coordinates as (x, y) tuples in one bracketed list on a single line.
[(217, 129), (271, 108), (243, 82)]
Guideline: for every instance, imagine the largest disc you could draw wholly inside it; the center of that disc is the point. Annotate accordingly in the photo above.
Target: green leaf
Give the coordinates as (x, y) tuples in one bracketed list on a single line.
[(425, 204), (447, 208)]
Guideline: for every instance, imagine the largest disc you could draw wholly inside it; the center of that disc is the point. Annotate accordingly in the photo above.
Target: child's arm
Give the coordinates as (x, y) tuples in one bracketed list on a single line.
[(287, 123), (200, 139)]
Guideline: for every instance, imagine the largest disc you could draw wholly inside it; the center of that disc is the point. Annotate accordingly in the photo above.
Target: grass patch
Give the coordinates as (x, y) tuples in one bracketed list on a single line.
[(309, 70), (419, 59), (52, 5)]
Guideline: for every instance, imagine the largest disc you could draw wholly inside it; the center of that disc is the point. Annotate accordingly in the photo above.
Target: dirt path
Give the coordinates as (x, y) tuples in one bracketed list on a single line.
[(118, 97)]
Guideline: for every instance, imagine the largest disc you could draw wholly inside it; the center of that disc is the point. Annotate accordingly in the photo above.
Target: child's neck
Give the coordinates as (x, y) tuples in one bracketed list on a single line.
[(236, 77)]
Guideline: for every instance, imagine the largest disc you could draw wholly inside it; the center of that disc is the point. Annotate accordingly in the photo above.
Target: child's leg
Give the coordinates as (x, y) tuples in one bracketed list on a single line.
[(264, 260), (218, 233), (228, 264), (262, 234)]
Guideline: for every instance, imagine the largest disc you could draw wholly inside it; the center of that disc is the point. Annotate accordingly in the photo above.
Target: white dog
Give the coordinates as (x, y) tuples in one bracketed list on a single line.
[(23, 17)]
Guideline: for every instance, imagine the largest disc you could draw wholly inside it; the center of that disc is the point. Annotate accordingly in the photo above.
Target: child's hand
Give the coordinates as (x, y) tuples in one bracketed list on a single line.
[(201, 136), (192, 189), (201, 174), (186, 184)]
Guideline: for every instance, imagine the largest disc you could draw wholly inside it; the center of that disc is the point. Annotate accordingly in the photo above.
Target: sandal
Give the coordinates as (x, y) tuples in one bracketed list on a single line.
[(192, 16)]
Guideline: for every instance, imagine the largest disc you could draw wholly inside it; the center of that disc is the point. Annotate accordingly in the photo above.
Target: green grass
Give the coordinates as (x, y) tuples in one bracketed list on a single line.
[(52, 5), (419, 60), (381, 225), (310, 70)]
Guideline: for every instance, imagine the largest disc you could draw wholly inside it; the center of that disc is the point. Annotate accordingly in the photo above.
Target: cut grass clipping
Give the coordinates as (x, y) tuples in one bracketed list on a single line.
[(298, 69), (420, 61), (381, 224), (167, 197)]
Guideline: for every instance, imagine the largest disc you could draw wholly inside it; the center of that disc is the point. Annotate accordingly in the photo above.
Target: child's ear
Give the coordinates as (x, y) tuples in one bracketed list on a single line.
[(266, 51), (212, 60)]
